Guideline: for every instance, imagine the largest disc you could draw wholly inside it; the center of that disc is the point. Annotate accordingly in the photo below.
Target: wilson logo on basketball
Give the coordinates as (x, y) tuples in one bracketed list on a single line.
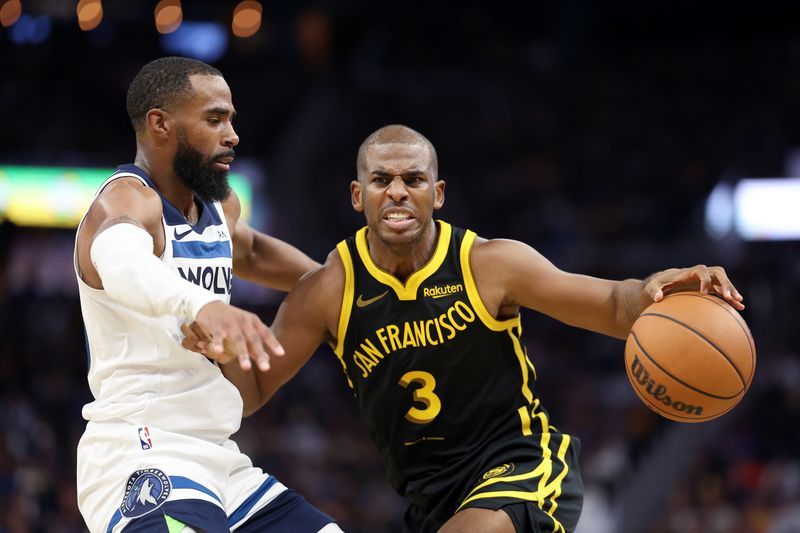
[(659, 391)]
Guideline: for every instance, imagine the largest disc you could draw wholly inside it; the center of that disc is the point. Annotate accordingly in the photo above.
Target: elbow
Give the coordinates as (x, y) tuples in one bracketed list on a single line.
[(248, 410), (251, 405)]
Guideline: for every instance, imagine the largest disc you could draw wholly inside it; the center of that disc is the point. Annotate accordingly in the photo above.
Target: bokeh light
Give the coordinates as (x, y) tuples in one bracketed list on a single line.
[(169, 16), (90, 14), (10, 12), (246, 18)]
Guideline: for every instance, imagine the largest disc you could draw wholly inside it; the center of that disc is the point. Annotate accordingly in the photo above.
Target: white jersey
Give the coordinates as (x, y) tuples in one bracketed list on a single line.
[(138, 371)]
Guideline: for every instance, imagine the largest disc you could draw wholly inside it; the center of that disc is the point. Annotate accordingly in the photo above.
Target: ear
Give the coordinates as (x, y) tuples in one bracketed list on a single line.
[(355, 196), (157, 122), (438, 194)]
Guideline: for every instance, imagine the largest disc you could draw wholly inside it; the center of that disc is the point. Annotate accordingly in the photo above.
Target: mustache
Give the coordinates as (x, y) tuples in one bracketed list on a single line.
[(229, 153)]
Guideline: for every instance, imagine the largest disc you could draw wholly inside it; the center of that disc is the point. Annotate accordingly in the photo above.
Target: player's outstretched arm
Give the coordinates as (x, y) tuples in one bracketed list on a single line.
[(118, 244), (510, 274), (260, 258), (307, 317)]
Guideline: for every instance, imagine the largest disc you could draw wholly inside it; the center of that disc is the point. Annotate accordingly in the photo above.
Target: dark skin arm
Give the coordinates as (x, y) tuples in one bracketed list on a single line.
[(260, 258), (307, 317), (508, 275), (124, 200)]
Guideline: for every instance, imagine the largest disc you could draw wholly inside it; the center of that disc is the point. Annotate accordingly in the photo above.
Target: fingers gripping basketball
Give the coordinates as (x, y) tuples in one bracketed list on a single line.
[(690, 357)]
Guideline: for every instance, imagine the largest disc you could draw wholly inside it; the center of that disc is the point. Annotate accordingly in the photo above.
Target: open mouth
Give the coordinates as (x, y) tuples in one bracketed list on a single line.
[(398, 219)]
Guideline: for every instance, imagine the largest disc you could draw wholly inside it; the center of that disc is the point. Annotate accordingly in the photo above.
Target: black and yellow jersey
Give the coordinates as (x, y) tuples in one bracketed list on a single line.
[(444, 388)]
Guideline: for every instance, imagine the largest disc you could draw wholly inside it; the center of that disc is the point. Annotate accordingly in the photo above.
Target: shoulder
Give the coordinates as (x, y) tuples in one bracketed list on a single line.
[(322, 286), (507, 262), (126, 196), (497, 251), (318, 294), (129, 188), (328, 277)]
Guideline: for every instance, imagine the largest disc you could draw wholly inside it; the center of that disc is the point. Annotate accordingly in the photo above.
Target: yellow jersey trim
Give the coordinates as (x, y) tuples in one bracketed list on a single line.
[(524, 364), (407, 291), (562, 453), (512, 325), (472, 290), (347, 305), (547, 490)]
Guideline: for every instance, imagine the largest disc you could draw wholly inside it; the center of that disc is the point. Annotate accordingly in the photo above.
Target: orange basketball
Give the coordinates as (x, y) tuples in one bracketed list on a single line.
[(690, 357)]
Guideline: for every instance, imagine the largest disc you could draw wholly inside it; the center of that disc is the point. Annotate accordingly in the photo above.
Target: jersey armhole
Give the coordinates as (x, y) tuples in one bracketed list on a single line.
[(472, 290), (347, 305)]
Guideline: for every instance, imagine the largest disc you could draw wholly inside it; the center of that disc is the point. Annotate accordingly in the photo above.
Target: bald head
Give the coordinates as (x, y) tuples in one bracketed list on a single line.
[(396, 134)]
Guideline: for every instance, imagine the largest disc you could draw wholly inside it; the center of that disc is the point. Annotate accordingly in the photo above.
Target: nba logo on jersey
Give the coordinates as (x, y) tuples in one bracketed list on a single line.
[(145, 491), (144, 438)]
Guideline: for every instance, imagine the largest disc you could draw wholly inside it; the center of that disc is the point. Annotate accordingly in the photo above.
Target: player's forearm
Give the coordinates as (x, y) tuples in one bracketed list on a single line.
[(246, 383), (257, 387), (134, 277), (273, 263)]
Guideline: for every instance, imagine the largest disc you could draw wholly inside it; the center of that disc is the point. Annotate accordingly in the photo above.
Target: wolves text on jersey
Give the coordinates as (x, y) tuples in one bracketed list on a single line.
[(216, 279)]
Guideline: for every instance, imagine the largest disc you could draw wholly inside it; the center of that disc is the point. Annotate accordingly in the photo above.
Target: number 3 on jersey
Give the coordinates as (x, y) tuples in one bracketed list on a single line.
[(424, 394)]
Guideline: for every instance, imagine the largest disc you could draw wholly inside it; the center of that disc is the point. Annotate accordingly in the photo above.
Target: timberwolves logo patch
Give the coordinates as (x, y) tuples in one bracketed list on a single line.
[(498, 471), (145, 491)]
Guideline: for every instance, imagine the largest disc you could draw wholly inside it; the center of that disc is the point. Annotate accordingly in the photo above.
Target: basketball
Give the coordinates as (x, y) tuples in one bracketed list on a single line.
[(690, 357)]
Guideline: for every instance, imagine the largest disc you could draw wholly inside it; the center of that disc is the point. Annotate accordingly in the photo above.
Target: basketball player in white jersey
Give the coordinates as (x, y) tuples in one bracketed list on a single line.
[(158, 247)]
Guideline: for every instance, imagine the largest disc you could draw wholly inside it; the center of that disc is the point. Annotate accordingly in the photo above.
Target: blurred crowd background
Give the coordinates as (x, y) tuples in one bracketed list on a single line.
[(593, 131)]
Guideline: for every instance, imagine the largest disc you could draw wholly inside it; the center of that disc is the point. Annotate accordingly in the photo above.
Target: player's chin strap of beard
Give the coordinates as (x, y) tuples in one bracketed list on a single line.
[(134, 277)]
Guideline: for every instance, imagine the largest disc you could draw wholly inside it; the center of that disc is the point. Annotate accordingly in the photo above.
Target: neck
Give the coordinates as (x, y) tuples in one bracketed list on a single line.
[(402, 260), (168, 183)]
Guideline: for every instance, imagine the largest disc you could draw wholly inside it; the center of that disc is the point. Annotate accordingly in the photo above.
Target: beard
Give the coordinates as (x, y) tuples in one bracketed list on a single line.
[(199, 174)]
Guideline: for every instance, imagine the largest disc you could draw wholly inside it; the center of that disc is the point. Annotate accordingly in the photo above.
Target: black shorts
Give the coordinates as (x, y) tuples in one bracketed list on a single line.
[(541, 494)]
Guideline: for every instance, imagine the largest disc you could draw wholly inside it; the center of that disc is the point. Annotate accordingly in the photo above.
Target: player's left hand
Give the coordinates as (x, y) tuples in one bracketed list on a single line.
[(195, 339), (697, 278)]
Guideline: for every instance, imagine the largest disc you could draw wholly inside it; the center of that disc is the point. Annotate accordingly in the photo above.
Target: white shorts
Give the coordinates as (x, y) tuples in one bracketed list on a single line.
[(127, 471)]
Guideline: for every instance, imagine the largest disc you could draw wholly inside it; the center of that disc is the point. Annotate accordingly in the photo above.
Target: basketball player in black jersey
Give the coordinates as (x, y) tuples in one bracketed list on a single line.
[(424, 318)]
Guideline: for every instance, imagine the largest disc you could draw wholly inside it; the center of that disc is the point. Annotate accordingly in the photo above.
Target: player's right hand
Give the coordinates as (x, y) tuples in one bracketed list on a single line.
[(225, 333), (700, 278)]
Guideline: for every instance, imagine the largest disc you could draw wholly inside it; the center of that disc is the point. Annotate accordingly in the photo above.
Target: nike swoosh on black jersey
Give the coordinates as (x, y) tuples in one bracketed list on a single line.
[(361, 302), (179, 236)]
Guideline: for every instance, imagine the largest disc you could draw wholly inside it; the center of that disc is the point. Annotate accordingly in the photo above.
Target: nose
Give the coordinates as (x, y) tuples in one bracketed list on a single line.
[(230, 139), (397, 189)]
